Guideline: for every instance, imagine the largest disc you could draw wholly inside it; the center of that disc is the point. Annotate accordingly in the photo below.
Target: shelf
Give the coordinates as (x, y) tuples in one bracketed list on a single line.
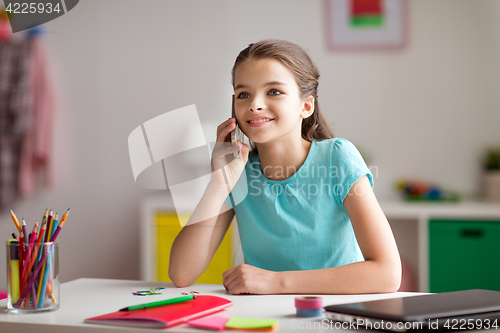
[(410, 225), (466, 209)]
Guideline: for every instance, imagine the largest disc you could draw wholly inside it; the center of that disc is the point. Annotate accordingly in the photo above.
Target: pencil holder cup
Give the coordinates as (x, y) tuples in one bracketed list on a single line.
[(32, 277)]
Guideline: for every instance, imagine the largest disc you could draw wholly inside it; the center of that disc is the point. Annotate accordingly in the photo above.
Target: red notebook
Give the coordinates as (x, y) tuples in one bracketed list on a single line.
[(164, 316)]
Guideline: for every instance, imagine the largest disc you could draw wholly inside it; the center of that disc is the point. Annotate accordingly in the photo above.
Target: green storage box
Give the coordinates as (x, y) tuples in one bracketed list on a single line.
[(463, 255)]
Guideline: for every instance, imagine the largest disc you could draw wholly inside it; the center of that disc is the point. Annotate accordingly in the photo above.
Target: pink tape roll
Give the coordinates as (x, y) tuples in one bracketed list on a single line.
[(308, 302)]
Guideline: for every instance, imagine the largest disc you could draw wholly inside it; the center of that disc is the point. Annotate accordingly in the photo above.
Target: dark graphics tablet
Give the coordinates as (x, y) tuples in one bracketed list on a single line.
[(459, 310)]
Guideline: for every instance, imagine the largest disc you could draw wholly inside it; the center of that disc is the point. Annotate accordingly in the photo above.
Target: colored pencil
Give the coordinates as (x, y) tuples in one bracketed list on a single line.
[(20, 246), (49, 290), (43, 286), (33, 297), (49, 223), (63, 219), (41, 237), (21, 253), (42, 261), (21, 242), (26, 271), (14, 218), (46, 221), (159, 303), (56, 220), (24, 231), (24, 242)]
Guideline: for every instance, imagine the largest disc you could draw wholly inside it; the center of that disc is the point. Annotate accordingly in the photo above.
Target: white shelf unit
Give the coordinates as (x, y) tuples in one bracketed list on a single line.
[(410, 224)]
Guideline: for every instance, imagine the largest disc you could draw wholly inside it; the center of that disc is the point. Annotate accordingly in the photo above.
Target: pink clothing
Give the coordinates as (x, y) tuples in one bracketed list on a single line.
[(3, 294), (15, 116), (37, 146)]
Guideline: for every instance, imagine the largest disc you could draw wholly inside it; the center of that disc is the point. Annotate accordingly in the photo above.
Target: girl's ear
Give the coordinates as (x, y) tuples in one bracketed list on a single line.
[(308, 107)]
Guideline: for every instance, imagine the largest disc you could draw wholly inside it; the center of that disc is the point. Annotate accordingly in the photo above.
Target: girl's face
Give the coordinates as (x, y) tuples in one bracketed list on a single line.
[(268, 104)]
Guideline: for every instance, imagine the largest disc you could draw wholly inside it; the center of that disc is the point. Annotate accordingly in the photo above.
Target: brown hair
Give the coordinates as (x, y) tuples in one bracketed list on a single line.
[(292, 56)]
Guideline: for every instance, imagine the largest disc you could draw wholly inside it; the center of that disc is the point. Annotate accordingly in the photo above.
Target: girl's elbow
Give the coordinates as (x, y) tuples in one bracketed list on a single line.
[(179, 280), (393, 283), (392, 279), (181, 284)]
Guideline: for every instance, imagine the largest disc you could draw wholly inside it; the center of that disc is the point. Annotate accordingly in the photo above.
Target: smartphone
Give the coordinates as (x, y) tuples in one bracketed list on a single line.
[(236, 134)]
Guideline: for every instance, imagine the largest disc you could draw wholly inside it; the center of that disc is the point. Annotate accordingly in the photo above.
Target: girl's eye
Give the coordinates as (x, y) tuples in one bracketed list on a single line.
[(243, 95), (274, 92)]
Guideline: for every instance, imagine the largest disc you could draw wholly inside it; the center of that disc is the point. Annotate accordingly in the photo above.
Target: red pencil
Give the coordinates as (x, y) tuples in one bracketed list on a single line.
[(28, 256), (44, 220)]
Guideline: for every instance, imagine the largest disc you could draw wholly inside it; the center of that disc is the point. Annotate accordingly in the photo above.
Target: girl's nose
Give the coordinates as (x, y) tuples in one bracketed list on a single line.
[(256, 105)]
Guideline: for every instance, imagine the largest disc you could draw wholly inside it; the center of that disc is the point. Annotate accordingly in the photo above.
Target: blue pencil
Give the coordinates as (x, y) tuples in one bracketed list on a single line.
[(54, 227), (43, 287)]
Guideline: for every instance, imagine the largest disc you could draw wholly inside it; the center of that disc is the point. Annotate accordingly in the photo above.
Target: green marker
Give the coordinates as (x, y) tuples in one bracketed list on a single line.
[(159, 303)]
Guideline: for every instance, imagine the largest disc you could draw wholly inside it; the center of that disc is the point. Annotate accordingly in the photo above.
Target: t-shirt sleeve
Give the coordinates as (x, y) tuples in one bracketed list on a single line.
[(347, 167)]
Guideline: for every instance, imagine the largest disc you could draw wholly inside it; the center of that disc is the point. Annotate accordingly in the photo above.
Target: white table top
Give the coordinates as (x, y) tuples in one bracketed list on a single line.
[(84, 298)]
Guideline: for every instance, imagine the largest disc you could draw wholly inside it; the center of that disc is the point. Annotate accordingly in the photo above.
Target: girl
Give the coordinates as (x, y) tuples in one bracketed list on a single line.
[(308, 219)]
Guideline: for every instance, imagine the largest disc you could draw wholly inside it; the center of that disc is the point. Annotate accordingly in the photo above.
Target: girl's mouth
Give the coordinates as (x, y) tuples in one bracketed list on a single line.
[(260, 122)]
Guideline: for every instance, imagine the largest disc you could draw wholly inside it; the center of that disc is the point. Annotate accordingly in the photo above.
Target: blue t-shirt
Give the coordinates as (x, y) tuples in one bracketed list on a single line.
[(300, 223)]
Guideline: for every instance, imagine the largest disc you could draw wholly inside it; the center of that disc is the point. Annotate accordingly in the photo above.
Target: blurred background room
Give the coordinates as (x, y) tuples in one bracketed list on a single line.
[(425, 114)]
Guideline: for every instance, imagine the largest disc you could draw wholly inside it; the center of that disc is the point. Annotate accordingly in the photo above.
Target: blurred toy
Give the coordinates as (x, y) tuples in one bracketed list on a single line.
[(418, 190)]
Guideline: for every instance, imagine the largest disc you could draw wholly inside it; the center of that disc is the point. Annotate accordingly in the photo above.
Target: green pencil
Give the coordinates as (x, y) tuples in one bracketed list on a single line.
[(159, 303)]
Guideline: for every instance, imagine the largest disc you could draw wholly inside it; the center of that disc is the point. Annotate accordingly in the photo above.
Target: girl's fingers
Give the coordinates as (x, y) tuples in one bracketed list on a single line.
[(222, 136), (244, 151), (224, 125), (223, 149)]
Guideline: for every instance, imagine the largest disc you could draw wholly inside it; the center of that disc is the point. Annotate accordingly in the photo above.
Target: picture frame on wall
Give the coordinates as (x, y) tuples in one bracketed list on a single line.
[(367, 24)]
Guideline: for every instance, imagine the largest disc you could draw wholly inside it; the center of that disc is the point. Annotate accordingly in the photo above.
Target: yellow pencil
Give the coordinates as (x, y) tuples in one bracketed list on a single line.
[(18, 226)]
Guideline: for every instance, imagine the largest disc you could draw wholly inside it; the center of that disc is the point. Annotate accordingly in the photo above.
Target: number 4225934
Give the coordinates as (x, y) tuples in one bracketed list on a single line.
[(32, 8)]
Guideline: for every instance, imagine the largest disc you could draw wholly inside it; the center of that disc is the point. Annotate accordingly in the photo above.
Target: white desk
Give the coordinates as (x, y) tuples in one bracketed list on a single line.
[(84, 298)]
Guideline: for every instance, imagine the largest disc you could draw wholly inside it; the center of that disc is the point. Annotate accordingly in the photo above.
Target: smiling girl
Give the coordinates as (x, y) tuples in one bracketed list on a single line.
[(309, 221)]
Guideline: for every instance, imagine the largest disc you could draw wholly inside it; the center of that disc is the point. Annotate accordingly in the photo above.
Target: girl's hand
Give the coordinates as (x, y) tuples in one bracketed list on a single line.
[(247, 279), (222, 156)]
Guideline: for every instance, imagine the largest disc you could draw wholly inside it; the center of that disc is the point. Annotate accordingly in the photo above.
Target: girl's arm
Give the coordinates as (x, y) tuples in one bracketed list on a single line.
[(379, 273), (197, 242)]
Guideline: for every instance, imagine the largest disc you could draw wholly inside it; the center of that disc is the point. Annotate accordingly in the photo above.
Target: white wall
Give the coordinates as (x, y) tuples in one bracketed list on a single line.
[(426, 110)]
